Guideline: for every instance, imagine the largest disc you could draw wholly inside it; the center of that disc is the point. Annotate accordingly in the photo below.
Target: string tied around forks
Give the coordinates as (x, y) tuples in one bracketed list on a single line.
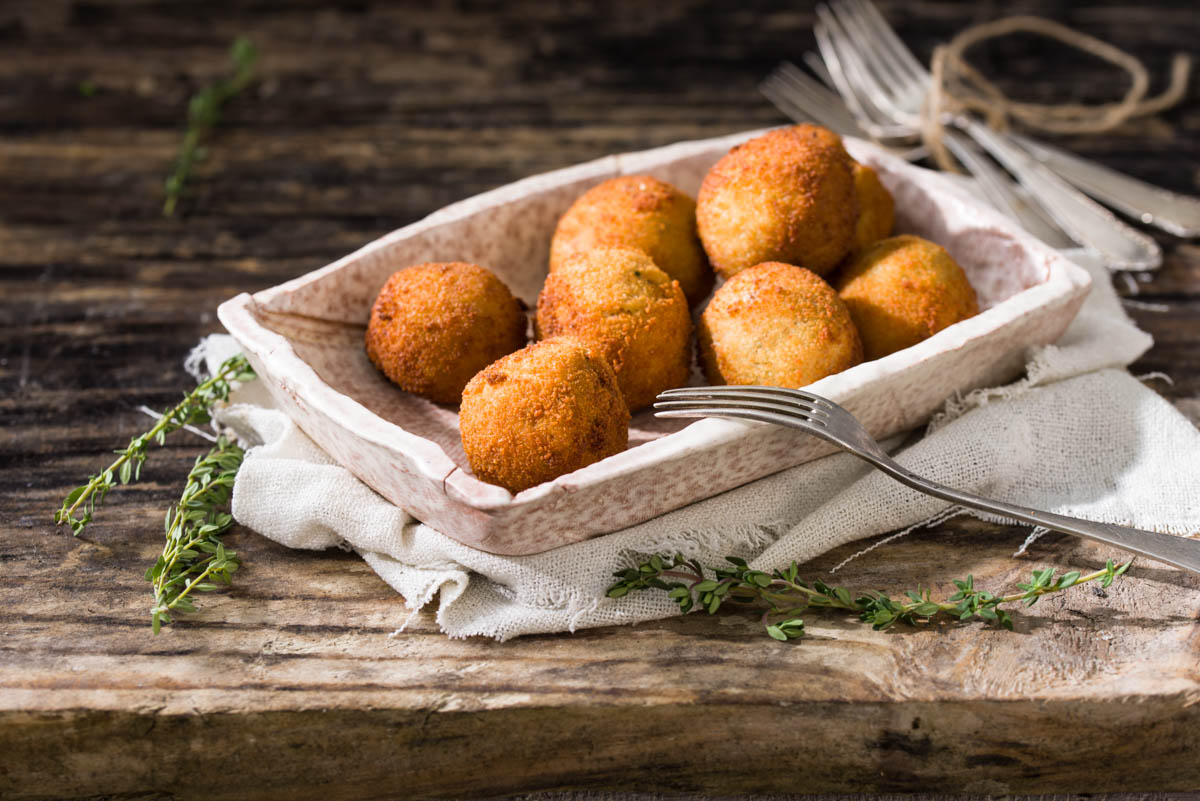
[(958, 87)]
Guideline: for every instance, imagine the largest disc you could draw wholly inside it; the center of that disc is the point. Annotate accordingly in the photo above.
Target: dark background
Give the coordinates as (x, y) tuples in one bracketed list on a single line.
[(364, 117)]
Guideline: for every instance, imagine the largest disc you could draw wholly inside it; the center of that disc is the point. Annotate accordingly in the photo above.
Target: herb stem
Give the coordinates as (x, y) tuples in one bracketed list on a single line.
[(783, 594), (194, 408), (205, 496), (190, 586), (692, 577), (193, 552), (204, 111)]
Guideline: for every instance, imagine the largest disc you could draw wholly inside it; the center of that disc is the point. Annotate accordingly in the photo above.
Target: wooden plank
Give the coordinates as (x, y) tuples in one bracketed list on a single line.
[(367, 117)]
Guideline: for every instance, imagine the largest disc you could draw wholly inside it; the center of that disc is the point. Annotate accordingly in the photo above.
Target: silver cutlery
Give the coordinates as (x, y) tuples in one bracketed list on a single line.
[(867, 59), (804, 99), (825, 419), (1172, 212)]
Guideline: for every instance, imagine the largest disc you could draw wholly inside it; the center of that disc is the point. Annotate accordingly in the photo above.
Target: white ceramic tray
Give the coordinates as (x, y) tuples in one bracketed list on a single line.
[(305, 339)]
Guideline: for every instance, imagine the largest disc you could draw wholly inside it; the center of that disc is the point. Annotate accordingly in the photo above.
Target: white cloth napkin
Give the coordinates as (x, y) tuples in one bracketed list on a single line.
[(1078, 435)]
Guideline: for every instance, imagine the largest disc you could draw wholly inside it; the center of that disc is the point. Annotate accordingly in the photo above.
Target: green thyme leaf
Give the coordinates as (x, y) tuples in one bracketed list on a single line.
[(204, 111), (785, 594)]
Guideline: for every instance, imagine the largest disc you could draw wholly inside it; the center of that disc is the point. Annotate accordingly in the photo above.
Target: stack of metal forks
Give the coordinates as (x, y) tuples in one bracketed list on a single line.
[(875, 88)]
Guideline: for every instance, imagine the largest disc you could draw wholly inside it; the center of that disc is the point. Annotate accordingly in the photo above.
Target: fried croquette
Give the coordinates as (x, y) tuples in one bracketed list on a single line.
[(643, 213), (634, 313), (902, 290), (785, 196), (435, 325), (550, 408), (779, 325), (876, 209)]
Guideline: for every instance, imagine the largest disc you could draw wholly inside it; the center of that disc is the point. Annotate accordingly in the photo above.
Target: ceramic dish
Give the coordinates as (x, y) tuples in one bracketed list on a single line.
[(305, 339)]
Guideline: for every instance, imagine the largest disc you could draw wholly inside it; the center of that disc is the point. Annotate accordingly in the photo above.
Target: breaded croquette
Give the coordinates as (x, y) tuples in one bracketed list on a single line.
[(779, 325), (785, 196), (435, 325), (633, 312), (643, 213), (876, 209), (903, 290), (548, 409)]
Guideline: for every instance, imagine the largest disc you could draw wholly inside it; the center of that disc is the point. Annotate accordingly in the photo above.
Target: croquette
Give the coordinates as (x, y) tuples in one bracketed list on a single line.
[(435, 325), (902, 290), (643, 213), (548, 409), (876, 209), (778, 325), (635, 315), (785, 196)]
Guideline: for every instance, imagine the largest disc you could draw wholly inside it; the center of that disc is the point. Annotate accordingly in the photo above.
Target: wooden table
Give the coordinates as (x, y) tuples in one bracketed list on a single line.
[(289, 686)]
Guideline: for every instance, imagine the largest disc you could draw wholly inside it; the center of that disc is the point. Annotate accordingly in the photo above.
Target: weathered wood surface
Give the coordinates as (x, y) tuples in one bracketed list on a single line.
[(367, 117)]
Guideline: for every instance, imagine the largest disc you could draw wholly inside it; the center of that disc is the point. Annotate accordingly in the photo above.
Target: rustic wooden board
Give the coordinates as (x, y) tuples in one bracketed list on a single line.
[(289, 686)]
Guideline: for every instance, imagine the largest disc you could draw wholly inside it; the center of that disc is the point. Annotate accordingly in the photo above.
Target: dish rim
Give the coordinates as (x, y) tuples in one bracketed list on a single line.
[(433, 464)]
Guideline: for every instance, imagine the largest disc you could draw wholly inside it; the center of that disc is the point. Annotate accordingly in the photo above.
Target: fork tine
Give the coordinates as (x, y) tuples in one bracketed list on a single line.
[(799, 393), (755, 415), (787, 407), (776, 405), (788, 87), (885, 55), (794, 76), (832, 59), (886, 34), (852, 37), (861, 89), (814, 63), (748, 391), (862, 63), (816, 94), (796, 106), (871, 42), (795, 414)]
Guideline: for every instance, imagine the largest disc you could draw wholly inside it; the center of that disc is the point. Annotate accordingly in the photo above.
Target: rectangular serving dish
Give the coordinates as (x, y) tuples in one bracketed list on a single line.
[(305, 339)]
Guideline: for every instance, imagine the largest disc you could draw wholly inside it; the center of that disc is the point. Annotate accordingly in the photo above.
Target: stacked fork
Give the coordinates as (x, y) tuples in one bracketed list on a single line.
[(881, 91)]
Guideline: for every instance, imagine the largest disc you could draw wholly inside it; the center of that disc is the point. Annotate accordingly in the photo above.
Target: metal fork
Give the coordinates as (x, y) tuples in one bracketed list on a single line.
[(806, 100), (803, 99), (1170, 211), (825, 419), (867, 58)]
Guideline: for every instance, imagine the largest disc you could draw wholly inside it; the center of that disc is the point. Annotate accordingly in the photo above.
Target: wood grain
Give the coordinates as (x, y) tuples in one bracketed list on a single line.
[(368, 116)]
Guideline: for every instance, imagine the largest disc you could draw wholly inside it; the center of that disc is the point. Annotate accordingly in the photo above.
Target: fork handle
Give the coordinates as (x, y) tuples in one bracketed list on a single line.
[(1002, 193), (1173, 550), (1172, 212), (1084, 220)]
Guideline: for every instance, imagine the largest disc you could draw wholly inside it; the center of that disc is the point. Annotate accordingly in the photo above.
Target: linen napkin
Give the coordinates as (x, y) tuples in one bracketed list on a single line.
[(1077, 435)]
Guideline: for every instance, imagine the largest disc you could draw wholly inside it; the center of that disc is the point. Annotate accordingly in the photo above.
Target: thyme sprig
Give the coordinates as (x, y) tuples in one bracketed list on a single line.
[(204, 111), (783, 595), (194, 409), (194, 558)]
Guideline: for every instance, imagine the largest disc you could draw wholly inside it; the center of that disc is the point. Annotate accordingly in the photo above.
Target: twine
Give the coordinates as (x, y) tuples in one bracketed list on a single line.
[(958, 87)]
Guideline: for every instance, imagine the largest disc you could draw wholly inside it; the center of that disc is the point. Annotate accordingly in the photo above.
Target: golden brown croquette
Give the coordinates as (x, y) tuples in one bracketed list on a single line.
[(778, 325), (642, 213), (785, 196), (435, 325), (634, 313), (902, 290), (876, 209), (548, 409)]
